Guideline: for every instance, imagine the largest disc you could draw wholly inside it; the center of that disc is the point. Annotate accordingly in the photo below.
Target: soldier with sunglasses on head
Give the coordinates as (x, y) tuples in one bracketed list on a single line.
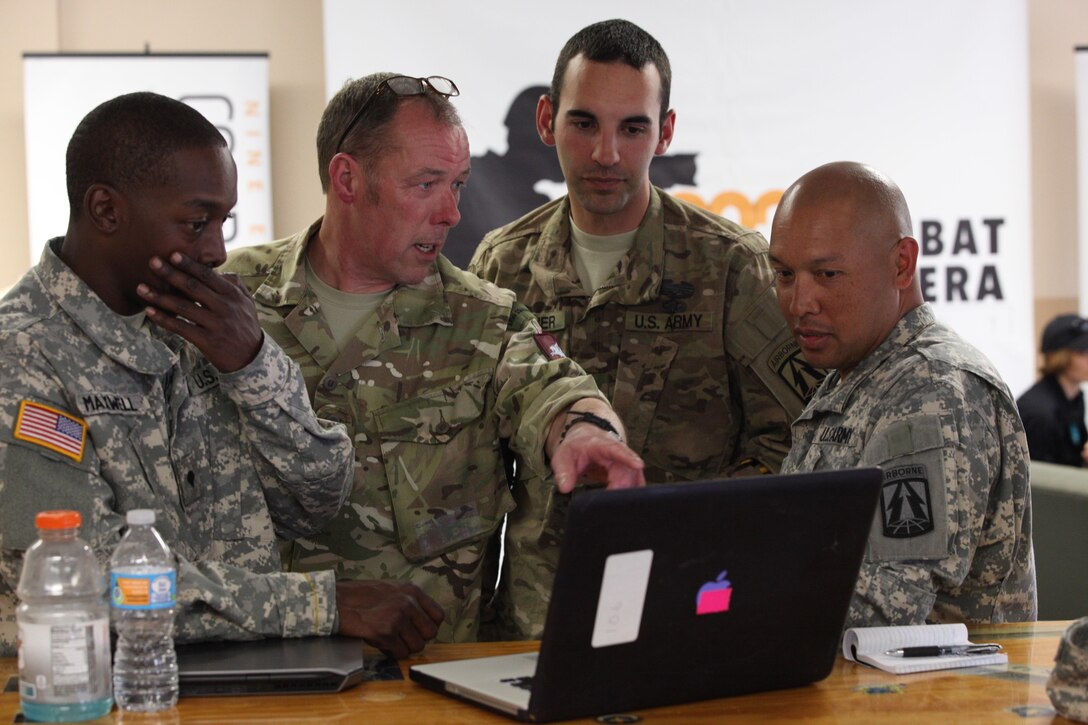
[(433, 370)]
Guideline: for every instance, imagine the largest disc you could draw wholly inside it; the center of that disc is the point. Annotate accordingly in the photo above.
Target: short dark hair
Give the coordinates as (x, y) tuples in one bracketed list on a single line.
[(370, 134), (612, 40), (128, 142)]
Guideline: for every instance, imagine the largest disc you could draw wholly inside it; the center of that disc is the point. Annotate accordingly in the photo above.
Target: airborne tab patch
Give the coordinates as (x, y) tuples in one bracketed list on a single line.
[(549, 346), (50, 428), (791, 366), (904, 502)]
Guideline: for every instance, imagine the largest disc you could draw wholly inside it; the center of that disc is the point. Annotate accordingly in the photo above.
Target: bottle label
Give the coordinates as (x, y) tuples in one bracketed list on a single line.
[(63, 662), (156, 590)]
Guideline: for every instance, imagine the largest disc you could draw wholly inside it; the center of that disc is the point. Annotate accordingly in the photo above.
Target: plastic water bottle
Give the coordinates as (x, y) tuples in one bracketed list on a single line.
[(143, 586), (64, 625)]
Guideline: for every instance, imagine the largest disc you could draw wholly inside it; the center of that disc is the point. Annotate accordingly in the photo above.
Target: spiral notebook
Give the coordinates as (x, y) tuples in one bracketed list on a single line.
[(868, 645)]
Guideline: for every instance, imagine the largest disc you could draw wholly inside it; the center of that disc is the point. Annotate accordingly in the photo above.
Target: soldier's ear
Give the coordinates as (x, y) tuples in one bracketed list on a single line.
[(667, 127), (545, 120), (345, 177), (906, 262), (105, 207)]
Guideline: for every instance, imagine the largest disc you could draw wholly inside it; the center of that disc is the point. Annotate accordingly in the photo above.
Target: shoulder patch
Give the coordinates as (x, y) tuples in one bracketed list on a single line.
[(51, 428), (905, 505), (549, 346), (790, 365)]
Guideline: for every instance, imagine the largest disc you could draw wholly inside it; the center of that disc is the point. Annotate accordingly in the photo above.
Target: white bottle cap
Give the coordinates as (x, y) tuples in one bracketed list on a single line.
[(140, 517)]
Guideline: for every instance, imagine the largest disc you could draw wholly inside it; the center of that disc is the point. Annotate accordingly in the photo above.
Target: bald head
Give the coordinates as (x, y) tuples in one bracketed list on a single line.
[(875, 204), (844, 262)]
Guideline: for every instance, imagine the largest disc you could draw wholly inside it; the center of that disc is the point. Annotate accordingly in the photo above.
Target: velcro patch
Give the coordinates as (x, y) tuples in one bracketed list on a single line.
[(552, 321), (102, 401), (905, 505), (549, 346), (51, 428), (202, 379), (791, 366), (837, 434), (678, 322)]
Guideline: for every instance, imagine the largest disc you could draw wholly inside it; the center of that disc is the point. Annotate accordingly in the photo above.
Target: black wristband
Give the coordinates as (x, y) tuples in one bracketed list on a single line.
[(584, 416)]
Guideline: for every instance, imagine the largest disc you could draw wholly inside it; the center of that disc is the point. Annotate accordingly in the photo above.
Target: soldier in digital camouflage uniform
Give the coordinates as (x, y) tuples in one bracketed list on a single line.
[(951, 539), (669, 307), (104, 411), (428, 366), (1067, 686)]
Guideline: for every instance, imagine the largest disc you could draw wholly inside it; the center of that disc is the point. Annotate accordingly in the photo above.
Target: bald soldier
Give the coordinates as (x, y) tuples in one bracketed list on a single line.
[(951, 540)]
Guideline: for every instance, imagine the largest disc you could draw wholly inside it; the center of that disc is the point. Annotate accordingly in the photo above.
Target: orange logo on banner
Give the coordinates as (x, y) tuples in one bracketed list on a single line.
[(751, 214)]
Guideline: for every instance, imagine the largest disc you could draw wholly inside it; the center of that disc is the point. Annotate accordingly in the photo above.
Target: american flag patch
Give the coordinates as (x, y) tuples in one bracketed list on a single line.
[(51, 428)]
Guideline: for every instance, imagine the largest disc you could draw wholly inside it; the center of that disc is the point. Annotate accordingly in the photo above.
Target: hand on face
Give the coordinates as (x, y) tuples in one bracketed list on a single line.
[(210, 310)]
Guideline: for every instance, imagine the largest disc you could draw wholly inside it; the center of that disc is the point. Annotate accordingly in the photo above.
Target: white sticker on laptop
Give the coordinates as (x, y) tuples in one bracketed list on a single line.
[(623, 592)]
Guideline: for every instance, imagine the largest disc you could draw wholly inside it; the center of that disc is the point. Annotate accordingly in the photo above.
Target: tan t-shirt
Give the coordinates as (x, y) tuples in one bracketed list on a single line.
[(595, 258), (345, 312)]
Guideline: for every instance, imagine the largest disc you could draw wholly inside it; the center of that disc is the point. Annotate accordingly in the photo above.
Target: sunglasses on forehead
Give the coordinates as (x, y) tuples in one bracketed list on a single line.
[(402, 86)]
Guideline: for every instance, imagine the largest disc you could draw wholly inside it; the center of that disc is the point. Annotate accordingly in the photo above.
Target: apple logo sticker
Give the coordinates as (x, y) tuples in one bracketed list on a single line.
[(714, 596)]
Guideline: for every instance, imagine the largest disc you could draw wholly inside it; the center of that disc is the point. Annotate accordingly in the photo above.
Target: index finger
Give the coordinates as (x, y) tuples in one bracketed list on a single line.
[(625, 477), (201, 272)]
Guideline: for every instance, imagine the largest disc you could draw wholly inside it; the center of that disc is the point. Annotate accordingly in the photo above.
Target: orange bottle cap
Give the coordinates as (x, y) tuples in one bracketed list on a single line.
[(58, 520)]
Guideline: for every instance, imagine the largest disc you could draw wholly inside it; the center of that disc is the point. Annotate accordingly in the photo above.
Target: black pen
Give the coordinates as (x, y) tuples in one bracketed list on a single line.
[(944, 650)]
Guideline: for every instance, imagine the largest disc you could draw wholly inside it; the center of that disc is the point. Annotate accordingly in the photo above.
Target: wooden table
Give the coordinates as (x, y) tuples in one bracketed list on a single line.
[(1014, 693)]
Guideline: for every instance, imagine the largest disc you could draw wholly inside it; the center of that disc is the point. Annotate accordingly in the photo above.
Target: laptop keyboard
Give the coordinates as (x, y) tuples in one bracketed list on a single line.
[(524, 683)]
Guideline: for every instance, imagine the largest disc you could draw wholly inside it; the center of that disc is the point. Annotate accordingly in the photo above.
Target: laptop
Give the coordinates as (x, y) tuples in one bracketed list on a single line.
[(269, 666), (691, 591)]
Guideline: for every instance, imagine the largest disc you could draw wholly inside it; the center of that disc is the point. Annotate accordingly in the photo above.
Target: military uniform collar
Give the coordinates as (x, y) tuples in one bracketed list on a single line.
[(424, 303), (406, 306), (639, 278), (286, 280), (834, 394), (107, 330), (413, 305)]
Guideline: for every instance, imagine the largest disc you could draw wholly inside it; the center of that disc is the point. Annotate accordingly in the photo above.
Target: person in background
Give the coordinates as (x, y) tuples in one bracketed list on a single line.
[(1053, 408), (431, 368), (951, 540), (133, 375), (668, 306)]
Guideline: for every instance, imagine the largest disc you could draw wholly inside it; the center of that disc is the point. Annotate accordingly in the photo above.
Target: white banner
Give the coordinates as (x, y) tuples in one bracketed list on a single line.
[(1082, 174), (933, 93), (230, 90)]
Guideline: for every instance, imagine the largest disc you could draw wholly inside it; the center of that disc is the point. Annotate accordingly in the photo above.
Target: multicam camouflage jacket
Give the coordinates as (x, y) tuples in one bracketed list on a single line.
[(429, 387), (951, 539), (686, 340), (99, 416)]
